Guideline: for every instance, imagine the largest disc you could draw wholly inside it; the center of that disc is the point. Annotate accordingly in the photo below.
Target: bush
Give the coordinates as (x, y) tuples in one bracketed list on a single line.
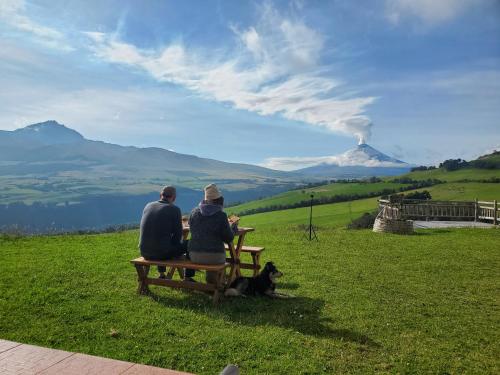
[(490, 161), (366, 221), (416, 183), (424, 195), (422, 168), (453, 164)]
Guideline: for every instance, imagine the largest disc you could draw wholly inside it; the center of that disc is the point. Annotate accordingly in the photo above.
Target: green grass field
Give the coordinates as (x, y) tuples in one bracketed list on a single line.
[(461, 174), (336, 214), (461, 191), (320, 191), (340, 213), (365, 302), (465, 191)]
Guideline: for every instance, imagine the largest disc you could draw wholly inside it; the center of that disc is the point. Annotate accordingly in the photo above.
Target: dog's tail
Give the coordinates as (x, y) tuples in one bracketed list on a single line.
[(232, 292)]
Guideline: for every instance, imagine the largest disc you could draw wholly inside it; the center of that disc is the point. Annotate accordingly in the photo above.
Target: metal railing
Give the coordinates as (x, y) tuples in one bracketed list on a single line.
[(440, 210)]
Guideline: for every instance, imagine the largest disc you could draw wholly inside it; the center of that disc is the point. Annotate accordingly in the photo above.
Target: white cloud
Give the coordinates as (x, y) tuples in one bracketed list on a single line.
[(293, 163), (277, 70), (430, 12), (347, 159), (13, 14)]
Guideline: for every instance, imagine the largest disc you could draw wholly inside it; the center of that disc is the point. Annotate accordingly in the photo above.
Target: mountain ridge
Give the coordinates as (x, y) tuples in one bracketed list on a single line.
[(49, 132), (51, 163), (50, 135), (71, 167)]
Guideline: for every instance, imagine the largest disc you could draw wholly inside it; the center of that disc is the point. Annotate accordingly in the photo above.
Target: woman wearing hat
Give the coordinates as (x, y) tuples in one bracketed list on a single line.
[(209, 229)]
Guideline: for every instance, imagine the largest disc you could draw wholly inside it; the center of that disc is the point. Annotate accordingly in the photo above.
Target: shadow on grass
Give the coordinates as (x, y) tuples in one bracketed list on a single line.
[(287, 285), (300, 314)]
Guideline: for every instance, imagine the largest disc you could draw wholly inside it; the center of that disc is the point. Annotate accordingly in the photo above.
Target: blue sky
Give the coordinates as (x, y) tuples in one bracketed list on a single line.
[(275, 83)]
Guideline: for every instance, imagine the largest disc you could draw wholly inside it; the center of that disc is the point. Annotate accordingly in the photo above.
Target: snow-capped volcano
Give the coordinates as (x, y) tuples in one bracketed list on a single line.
[(361, 161), (366, 156)]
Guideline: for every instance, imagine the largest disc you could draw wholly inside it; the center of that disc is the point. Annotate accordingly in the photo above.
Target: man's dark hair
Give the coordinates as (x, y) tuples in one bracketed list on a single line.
[(168, 192)]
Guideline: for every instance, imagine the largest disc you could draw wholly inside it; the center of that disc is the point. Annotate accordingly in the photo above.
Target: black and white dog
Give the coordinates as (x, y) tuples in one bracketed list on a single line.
[(262, 285)]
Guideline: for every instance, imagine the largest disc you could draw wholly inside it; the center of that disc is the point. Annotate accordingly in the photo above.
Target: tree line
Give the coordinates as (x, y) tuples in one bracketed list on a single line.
[(490, 161)]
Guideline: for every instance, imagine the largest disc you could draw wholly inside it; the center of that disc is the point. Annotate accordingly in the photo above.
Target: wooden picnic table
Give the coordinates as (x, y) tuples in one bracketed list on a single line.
[(234, 251), (223, 279)]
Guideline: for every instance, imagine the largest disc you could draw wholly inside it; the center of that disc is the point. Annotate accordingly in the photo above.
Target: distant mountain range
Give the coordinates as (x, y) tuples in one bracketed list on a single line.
[(52, 146), (362, 161), (52, 163)]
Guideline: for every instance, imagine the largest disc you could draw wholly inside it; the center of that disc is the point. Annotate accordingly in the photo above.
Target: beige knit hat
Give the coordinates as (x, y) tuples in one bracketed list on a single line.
[(211, 192)]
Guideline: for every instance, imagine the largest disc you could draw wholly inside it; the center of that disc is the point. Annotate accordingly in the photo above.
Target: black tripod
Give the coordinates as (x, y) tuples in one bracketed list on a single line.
[(312, 232)]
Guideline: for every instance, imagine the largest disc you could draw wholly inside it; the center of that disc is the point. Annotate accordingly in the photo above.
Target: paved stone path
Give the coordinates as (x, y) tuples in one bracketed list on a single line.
[(20, 359), (450, 224)]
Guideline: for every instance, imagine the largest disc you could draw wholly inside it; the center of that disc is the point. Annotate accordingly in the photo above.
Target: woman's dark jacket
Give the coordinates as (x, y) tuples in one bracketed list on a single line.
[(209, 229)]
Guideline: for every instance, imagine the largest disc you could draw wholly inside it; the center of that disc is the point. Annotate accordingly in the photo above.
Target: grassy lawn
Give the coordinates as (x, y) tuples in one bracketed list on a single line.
[(365, 302)]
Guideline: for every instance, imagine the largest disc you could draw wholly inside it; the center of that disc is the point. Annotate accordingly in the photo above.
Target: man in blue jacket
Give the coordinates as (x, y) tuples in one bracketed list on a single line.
[(161, 230)]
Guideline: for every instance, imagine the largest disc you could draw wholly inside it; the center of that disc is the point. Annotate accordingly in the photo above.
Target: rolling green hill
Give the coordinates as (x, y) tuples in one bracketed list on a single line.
[(320, 191), (339, 213), (451, 190), (451, 176), (465, 191), (490, 161), (334, 214), (483, 168)]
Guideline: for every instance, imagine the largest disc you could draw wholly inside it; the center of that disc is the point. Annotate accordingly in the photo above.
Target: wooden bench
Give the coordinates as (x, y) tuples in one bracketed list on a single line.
[(255, 252), (142, 267)]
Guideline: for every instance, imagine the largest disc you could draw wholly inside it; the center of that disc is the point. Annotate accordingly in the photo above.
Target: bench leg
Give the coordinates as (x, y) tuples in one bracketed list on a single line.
[(235, 272), (256, 263), (219, 286), (171, 272), (180, 271), (227, 277), (232, 273), (216, 298), (142, 275)]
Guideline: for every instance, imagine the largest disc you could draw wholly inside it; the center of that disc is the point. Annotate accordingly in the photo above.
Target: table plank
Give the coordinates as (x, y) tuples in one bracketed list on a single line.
[(235, 251), (241, 230)]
